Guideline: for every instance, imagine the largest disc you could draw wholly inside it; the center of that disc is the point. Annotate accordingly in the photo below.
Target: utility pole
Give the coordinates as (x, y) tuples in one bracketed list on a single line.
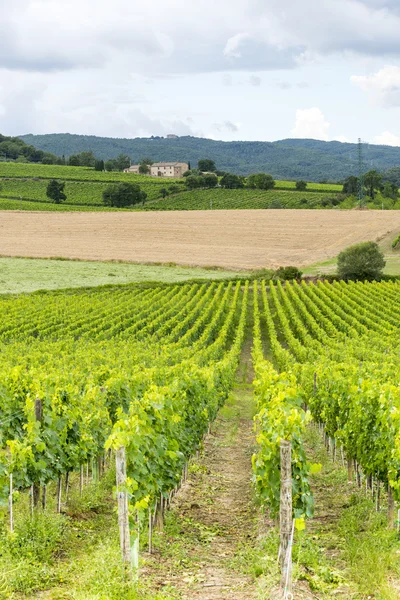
[(360, 174)]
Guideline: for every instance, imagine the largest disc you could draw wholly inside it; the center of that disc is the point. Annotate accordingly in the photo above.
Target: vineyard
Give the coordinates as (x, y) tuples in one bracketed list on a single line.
[(27, 183), (79, 193), (38, 171), (336, 349), (134, 376), (222, 199)]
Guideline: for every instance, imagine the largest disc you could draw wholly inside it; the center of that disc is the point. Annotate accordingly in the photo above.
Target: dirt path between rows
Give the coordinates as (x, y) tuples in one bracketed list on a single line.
[(213, 519)]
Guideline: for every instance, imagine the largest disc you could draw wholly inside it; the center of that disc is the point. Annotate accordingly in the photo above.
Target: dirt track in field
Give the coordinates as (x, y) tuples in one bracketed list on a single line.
[(228, 238)]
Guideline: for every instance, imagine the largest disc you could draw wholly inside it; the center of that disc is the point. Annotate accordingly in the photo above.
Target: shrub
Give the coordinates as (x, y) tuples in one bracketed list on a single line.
[(363, 261), (163, 192), (231, 181), (210, 180), (123, 194), (301, 185), (288, 273), (55, 191), (396, 242), (261, 181)]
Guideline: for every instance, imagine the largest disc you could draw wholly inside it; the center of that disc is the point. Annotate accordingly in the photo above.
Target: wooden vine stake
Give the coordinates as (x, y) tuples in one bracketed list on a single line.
[(391, 507), (150, 530), (59, 494), (80, 480), (286, 509), (128, 558), (10, 505), (36, 486)]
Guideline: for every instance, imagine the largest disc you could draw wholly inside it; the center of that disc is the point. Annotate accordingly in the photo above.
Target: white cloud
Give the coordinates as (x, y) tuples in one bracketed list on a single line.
[(84, 65), (154, 37), (311, 123), (382, 87), (232, 47), (227, 126), (387, 139)]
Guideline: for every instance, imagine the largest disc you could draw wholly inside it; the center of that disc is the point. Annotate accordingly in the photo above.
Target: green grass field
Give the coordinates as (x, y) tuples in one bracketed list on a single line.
[(30, 274), (392, 258)]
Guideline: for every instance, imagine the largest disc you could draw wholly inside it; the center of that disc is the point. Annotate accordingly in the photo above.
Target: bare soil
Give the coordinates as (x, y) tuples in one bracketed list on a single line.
[(242, 239), (216, 515)]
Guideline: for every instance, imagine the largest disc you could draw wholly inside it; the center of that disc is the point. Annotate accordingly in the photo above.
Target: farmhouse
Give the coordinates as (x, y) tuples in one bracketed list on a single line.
[(162, 169)]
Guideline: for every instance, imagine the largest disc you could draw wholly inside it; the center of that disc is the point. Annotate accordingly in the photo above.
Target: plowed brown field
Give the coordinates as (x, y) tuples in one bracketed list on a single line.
[(238, 239)]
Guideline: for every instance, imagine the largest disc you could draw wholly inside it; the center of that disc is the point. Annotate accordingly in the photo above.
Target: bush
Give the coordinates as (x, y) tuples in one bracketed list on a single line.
[(288, 273), (261, 181), (231, 181), (123, 194), (361, 262), (210, 180), (301, 186), (163, 192), (396, 242), (55, 191)]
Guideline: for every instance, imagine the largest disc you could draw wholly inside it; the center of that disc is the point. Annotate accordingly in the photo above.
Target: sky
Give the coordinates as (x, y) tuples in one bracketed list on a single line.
[(226, 69)]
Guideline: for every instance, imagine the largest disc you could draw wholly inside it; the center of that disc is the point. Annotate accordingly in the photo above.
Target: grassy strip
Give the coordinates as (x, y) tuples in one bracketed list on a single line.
[(29, 274), (392, 258)]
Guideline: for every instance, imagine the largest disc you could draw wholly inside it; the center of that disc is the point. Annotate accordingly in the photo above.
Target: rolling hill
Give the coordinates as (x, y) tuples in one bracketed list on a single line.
[(311, 160)]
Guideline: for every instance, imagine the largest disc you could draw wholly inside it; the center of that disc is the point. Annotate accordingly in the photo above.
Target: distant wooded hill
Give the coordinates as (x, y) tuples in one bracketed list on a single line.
[(311, 160)]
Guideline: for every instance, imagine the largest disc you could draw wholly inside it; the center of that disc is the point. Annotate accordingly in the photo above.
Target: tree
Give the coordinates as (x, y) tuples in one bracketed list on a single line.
[(288, 273), (123, 161), (373, 181), (206, 165), (191, 172), (86, 159), (109, 165), (49, 159), (350, 186), (73, 160), (363, 261), (55, 191), (123, 194), (194, 181), (164, 192), (99, 165), (261, 181), (393, 176), (210, 180), (301, 185), (144, 166), (174, 189), (390, 190), (231, 181)]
